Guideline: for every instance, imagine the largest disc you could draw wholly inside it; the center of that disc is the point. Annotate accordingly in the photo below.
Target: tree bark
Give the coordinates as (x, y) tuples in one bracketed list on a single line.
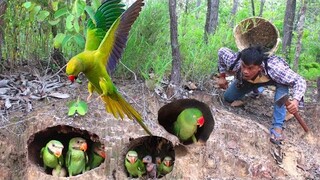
[(300, 33), (175, 77), (253, 10), (288, 26), (233, 12), (212, 18), (3, 7), (261, 7), (186, 7), (198, 10), (318, 88)]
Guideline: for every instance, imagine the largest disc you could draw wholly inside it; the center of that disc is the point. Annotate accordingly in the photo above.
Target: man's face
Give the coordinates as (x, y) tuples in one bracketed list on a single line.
[(249, 71)]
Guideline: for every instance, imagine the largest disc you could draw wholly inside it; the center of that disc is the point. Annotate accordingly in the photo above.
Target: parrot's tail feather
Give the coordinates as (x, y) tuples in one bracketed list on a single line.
[(121, 113), (119, 107)]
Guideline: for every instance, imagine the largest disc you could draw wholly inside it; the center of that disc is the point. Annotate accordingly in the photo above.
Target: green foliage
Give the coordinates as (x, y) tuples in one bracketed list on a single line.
[(147, 50), (311, 70), (78, 106), (28, 35), (72, 38)]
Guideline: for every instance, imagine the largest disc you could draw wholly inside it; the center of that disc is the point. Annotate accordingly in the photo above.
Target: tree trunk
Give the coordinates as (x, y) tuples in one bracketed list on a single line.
[(233, 12), (186, 7), (300, 33), (261, 7), (3, 7), (198, 9), (175, 77), (288, 26), (253, 10), (212, 18), (318, 88)]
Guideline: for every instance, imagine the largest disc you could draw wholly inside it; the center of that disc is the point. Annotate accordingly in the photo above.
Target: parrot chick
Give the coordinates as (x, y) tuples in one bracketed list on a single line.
[(51, 154), (187, 123), (59, 172), (165, 167), (76, 156), (97, 155), (151, 168), (134, 165)]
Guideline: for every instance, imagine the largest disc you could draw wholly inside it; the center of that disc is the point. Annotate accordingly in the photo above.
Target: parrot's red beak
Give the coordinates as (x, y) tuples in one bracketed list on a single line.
[(132, 160), (57, 154), (84, 146), (72, 78), (167, 163), (102, 154), (200, 121)]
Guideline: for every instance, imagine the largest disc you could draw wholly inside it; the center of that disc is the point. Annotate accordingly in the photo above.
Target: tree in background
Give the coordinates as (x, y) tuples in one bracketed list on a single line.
[(300, 25), (253, 9), (3, 7), (212, 18), (198, 11), (288, 26), (175, 77), (233, 12), (261, 7)]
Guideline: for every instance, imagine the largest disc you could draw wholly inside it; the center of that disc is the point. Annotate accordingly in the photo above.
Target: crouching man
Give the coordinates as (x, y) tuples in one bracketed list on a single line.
[(253, 69)]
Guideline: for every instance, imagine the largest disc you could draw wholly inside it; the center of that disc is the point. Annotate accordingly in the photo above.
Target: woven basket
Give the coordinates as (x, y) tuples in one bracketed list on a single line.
[(256, 31)]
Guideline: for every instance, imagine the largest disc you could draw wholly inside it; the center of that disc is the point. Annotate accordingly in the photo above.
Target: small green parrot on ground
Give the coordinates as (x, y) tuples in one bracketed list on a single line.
[(97, 155), (187, 124), (51, 155), (165, 167), (134, 165), (107, 35), (76, 158)]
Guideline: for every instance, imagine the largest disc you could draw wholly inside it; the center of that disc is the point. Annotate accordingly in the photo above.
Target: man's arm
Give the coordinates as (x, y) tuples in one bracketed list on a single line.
[(226, 58), (280, 72)]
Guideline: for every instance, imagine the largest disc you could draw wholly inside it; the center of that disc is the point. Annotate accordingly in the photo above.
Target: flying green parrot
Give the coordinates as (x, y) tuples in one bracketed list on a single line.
[(107, 35), (76, 158), (96, 156), (52, 156), (134, 165), (165, 167), (187, 123)]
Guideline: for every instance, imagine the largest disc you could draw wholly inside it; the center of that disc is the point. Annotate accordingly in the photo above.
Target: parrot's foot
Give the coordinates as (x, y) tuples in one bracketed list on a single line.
[(59, 172), (89, 97), (100, 97), (174, 139), (194, 139), (200, 143)]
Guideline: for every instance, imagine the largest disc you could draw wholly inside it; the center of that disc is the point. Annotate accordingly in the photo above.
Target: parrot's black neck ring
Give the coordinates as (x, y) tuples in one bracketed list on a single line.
[(51, 152)]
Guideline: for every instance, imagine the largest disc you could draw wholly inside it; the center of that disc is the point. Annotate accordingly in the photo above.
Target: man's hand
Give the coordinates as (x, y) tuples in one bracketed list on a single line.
[(293, 107), (223, 83)]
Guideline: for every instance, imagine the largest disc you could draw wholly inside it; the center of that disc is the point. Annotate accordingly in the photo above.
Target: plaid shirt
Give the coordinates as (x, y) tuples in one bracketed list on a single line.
[(278, 70)]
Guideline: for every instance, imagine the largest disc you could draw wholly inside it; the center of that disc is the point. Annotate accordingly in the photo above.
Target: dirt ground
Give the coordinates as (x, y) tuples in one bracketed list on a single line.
[(238, 147)]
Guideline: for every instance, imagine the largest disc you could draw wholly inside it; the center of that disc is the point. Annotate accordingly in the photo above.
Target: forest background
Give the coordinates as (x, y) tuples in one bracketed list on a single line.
[(48, 33)]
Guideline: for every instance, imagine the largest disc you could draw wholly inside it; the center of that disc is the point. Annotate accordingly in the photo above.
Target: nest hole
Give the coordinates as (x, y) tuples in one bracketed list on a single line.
[(62, 133), (169, 113), (155, 146)]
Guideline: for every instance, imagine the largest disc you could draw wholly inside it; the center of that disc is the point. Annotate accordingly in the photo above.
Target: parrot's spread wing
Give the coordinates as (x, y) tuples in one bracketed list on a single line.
[(117, 36), (105, 16)]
